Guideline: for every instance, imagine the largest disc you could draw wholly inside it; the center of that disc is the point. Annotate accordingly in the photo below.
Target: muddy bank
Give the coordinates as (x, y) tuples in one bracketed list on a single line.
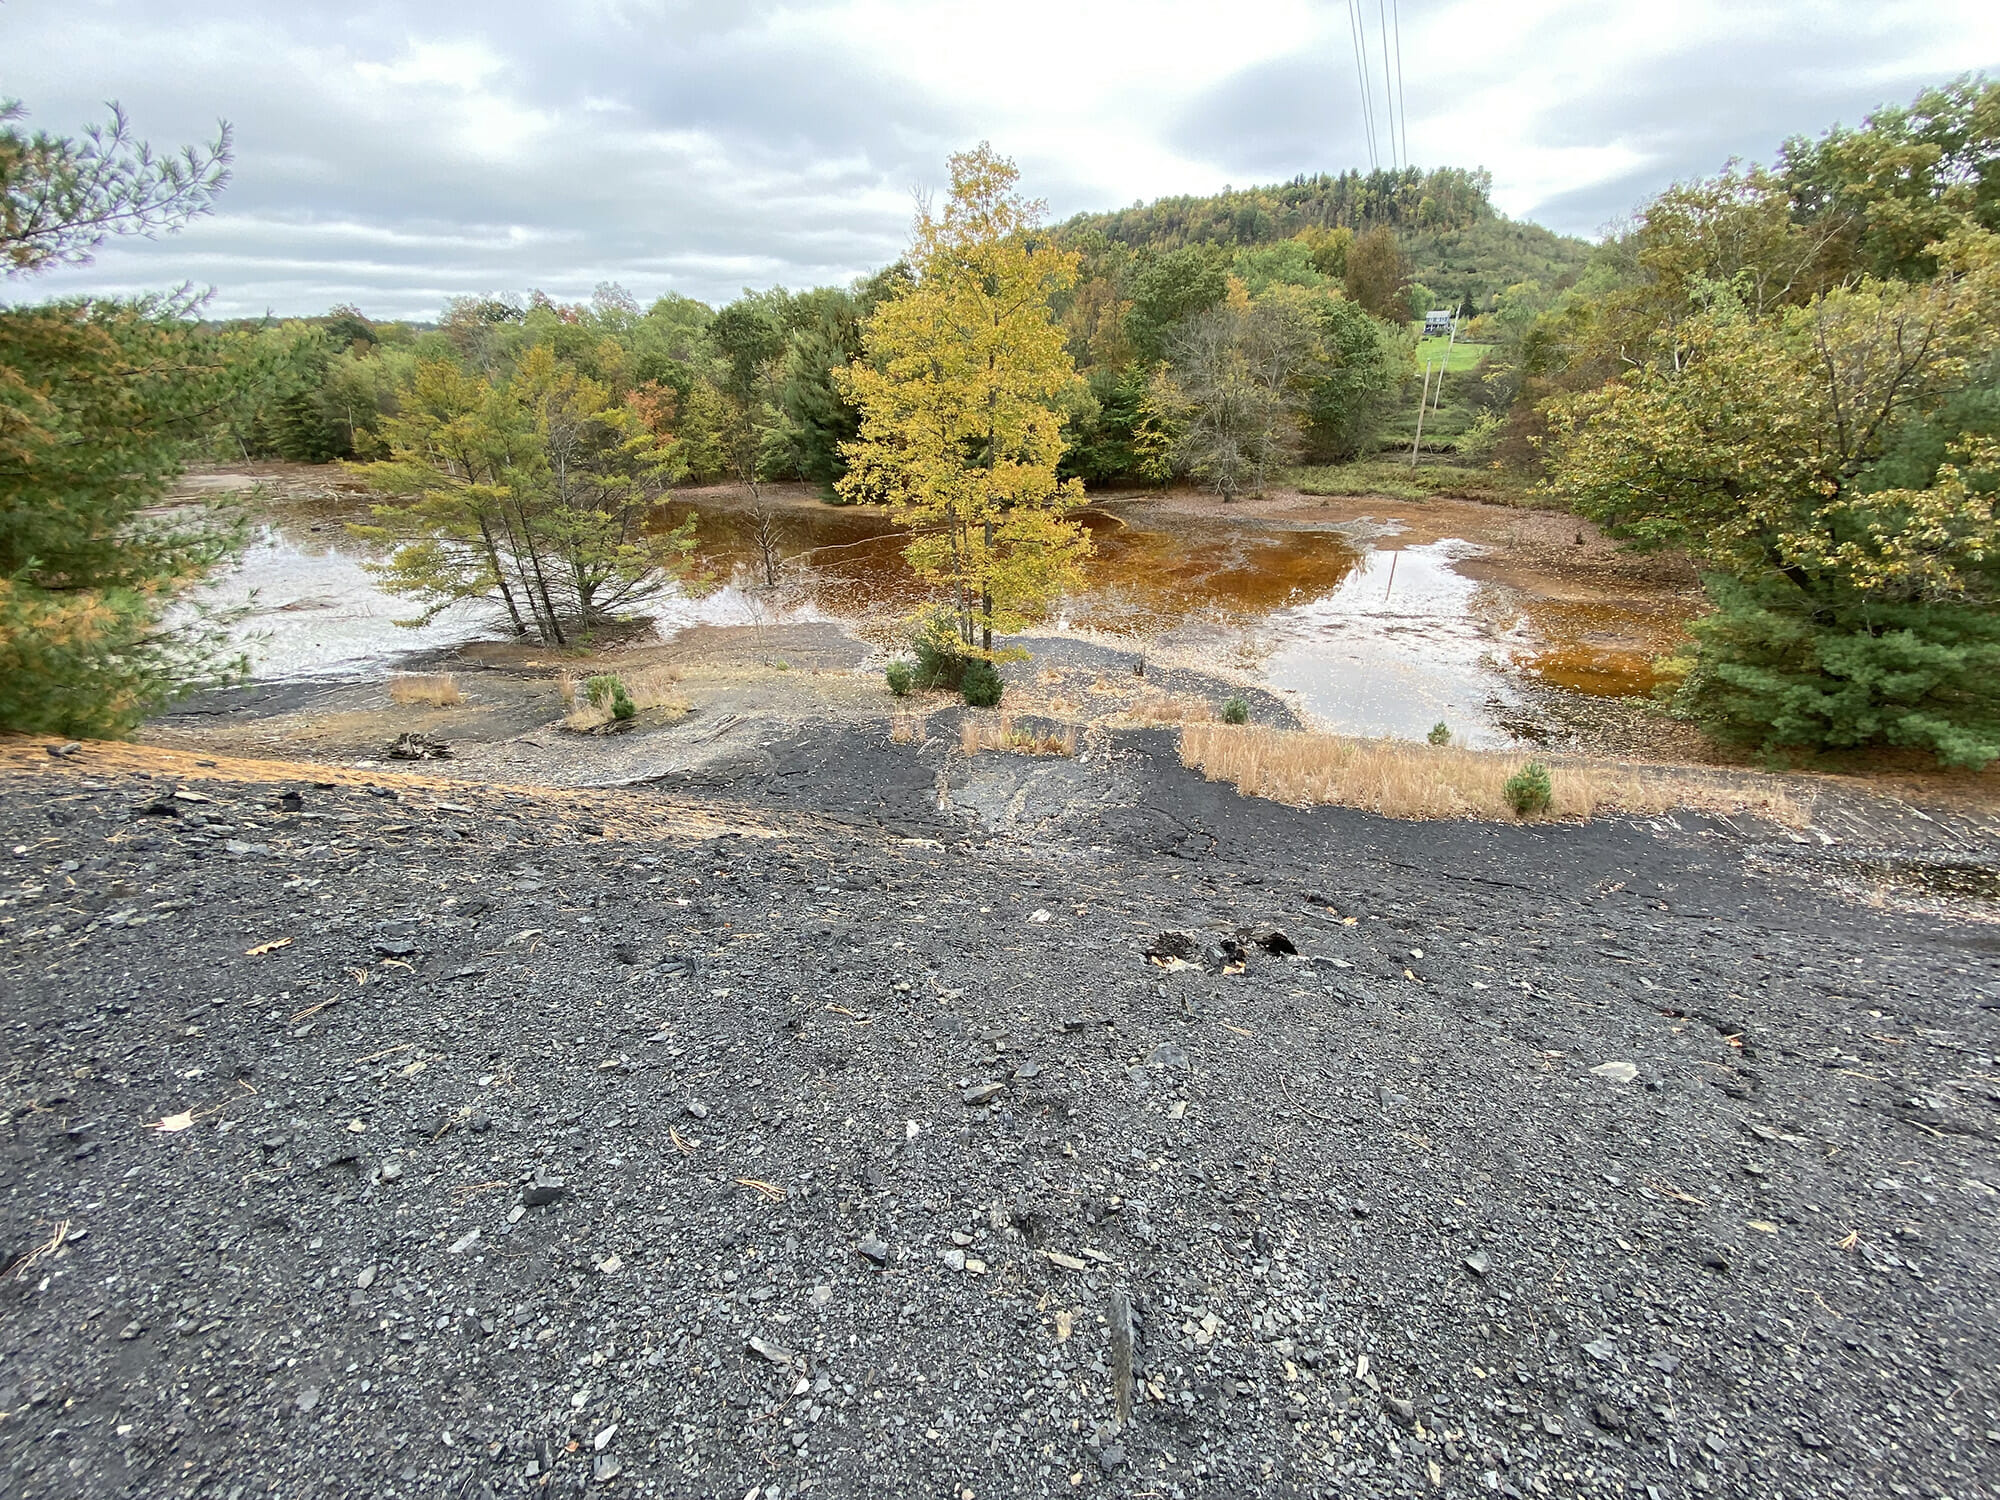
[(733, 689)]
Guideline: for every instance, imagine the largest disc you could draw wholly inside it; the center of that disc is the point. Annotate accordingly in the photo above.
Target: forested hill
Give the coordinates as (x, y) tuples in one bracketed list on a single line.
[(1453, 241), (1409, 199)]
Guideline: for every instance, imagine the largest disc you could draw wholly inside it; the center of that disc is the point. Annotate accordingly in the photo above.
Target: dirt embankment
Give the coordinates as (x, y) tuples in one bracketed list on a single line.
[(804, 1125)]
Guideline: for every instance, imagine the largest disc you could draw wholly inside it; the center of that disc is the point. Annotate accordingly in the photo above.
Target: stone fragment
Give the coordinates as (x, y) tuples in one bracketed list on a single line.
[(777, 1354), (1273, 940)]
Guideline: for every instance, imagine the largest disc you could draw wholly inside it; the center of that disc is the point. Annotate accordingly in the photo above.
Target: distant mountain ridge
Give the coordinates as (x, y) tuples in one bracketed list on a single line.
[(1411, 198), (1457, 244)]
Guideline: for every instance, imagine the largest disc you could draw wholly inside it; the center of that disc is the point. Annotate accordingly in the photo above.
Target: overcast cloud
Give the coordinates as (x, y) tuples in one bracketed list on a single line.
[(395, 155)]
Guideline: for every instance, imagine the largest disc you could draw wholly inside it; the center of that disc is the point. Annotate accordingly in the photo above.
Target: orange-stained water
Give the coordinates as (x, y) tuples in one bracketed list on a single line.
[(1603, 649), (1137, 581)]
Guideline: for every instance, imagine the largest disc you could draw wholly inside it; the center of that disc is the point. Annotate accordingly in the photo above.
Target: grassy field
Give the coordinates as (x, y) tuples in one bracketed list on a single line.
[(1464, 356), (1395, 478), (1453, 393)]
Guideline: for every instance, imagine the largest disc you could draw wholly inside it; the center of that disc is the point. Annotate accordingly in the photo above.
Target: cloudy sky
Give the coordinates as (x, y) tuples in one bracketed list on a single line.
[(393, 155)]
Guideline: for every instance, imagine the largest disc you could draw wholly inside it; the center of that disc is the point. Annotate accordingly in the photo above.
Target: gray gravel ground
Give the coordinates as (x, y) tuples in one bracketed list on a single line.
[(549, 1156)]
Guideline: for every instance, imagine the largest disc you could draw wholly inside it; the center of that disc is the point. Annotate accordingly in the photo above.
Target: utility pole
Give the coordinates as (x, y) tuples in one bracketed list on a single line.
[(1437, 403), (1422, 402)]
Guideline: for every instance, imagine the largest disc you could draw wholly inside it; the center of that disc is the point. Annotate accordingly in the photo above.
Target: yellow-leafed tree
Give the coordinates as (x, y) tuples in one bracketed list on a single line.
[(959, 392)]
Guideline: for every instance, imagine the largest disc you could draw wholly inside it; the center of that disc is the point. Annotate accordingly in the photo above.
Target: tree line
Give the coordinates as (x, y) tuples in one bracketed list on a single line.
[(1174, 347), (1406, 198)]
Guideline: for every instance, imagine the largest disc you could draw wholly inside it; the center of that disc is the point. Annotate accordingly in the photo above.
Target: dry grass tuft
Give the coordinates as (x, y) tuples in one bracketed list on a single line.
[(1000, 734), (648, 687), (435, 689), (1400, 779), (906, 727), (1162, 708)]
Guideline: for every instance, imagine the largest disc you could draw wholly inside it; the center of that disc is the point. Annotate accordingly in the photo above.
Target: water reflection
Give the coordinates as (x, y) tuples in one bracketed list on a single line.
[(842, 562), (316, 612), (1164, 583), (1403, 643)]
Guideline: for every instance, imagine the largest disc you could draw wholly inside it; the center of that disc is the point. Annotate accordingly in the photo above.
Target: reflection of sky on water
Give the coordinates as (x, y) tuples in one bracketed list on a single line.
[(1400, 645), (316, 612)]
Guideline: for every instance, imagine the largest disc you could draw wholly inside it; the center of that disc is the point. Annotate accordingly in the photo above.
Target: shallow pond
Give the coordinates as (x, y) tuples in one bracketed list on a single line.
[(1372, 636)]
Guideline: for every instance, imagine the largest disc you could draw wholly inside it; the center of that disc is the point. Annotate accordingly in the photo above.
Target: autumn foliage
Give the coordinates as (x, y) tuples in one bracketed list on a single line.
[(960, 398), (1793, 390)]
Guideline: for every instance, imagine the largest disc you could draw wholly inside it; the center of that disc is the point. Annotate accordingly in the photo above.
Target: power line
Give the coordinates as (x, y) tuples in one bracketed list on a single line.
[(1388, 93), (1357, 34), (1402, 113)]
